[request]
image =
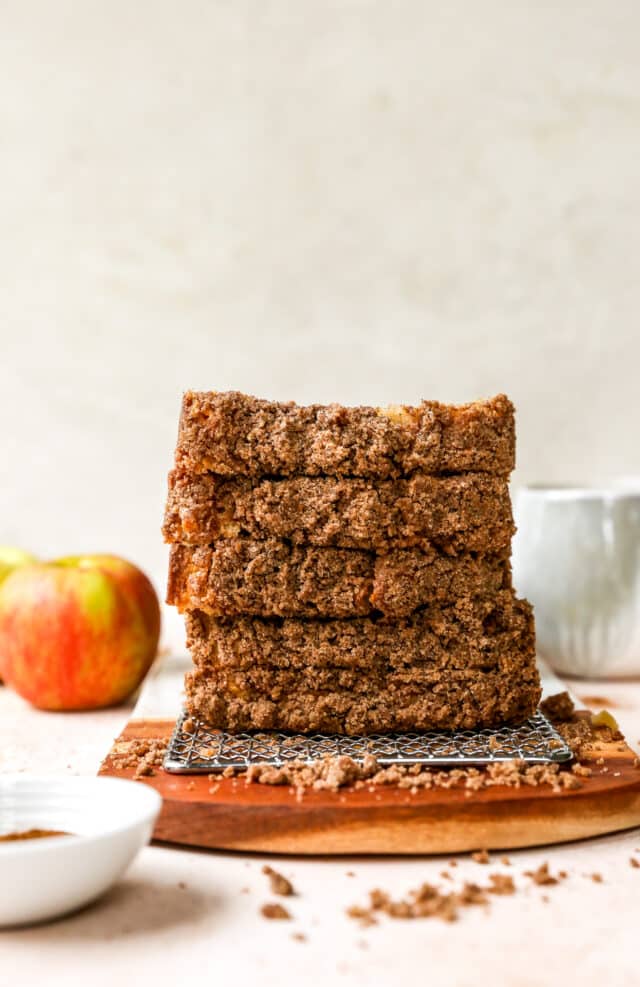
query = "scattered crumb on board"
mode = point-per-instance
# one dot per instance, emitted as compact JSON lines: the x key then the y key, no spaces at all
{"x":335,"y":773}
{"x":142,"y":755}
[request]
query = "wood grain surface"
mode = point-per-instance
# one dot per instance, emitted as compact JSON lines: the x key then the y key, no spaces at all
{"x":388,"y":820}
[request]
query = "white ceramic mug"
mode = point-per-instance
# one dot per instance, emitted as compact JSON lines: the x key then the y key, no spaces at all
{"x":576,"y":557}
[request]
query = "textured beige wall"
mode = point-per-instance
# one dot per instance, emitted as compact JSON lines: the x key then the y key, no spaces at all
{"x":359,"y":201}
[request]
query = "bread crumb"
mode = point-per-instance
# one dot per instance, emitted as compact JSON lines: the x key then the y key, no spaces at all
{"x":298,"y":937}
{"x":634,"y":862}
{"x":362,"y":915}
{"x":558,"y":707}
{"x":505,"y":861}
{"x":141,"y":755}
{"x":541,"y":875}
{"x":423,"y":902}
{"x":332,"y":773}
{"x":278,"y":882}
{"x":143,"y":770}
{"x":480,"y":857}
{"x":596,"y":878}
{"x":501,"y":884}
{"x":273,"y":910}
{"x":429,"y":901}
{"x":582,"y":770}
{"x":472,"y":894}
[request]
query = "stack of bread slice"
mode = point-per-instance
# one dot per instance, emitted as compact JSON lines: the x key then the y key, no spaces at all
{"x":347,"y":570}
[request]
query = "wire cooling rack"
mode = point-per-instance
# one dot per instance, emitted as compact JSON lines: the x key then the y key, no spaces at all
{"x":202,"y":750}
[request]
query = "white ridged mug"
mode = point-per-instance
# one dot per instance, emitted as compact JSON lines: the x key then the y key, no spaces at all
{"x":576,"y":557}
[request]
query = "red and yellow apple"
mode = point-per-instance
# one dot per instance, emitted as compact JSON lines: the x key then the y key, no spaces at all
{"x":77,"y":633}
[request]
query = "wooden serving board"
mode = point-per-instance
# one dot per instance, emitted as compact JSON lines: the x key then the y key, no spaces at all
{"x":390,"y":820}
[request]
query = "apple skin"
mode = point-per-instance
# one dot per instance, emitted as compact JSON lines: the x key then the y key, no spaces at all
{"x":11,"y":558}
{"x":77,"y":633}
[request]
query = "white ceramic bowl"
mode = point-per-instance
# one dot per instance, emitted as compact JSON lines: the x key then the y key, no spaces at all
{"x":46,"y":877}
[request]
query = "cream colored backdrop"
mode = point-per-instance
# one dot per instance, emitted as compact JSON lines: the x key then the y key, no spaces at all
{"x":331,"y":200}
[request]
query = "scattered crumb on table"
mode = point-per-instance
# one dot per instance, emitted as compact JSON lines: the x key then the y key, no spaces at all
{"x":278,"y":882}
{"x":501,"y":884}
{"x":273,"y":910}
{"x":480,"y":856}
{"x":542,"y":875}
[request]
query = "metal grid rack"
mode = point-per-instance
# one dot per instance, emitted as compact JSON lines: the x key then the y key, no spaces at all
{"x":208,"y":751}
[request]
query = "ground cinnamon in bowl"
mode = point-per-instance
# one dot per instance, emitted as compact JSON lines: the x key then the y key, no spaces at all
{"x":32,"y":834}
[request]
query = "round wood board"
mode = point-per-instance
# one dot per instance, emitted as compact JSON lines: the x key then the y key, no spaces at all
{"x":388,"y":820}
